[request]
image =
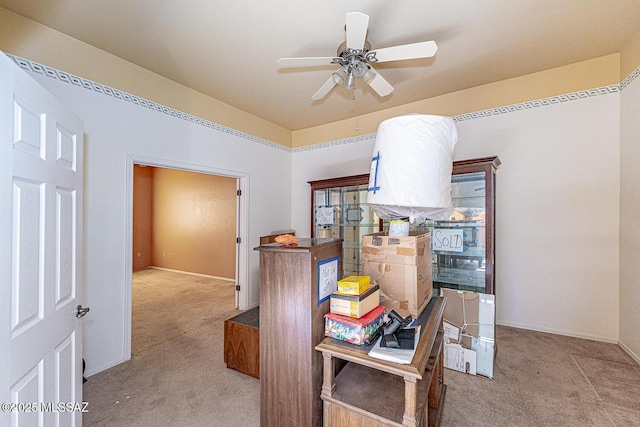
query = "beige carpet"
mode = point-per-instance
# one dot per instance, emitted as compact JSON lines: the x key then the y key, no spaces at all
{"x":177,"y":376}
{"x":547,"y":380}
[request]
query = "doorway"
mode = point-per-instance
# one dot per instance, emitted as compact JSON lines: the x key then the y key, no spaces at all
{"x":197,"y":214}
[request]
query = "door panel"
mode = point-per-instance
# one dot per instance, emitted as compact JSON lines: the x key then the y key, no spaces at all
{"x":65,"y":379}
{"x":41,"y":185}
{"x":27,"y":289}
{"x":27,"y":389}
{"x":65,"y":247}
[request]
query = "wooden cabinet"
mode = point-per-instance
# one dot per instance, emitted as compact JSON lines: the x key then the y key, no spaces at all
{"x":339,"y":209}
{"x":473,"y":189}
{"x":473,"y":195}
{"x":242,"y":342}
{"x":292,"y":286}
{"x":373,"y":392}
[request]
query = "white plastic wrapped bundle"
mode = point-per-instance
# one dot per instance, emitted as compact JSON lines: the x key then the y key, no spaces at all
{"x":411,"y":168}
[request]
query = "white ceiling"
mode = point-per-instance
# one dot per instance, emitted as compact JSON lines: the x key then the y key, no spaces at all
{"x":228,"y":49}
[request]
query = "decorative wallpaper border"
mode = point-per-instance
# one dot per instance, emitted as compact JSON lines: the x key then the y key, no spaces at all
{"x":336,"y":142}
{"x":631,"y":77}
{"x":124,"y":96}
{"x":527,"y":105}
{"x":605,"y":90}
{"x":106,"y":90}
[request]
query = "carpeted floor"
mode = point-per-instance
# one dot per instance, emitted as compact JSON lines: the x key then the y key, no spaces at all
{"x":547,"y":380}
{"x":177,"y":375}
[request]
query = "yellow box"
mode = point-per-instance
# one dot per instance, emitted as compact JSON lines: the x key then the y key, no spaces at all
{"x":353,"y":285}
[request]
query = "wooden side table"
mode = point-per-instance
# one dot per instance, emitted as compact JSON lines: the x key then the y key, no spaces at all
{"x":374,"y":392}
{"x":242,"y":342}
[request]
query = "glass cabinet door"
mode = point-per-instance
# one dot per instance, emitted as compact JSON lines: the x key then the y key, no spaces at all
{"x":340,"y":210}
{"x":463,"y":246}
{"x":459,"y":244}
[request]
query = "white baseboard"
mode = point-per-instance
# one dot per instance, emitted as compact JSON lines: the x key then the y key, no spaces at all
{"x":104,"y":367}
{"x":193,"y":274}
{"x":560,"y":332}
{"x":629,"y":351}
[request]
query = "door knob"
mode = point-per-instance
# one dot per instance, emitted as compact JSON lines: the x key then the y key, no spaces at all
{"x":81,"y":311}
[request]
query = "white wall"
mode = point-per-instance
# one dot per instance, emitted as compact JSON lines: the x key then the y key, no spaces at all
{"x":629,"y":221}
{"x":557,"y":214}
{"x":558,"y":204}
{"x":340,"y":158}
{"x":557,"y":209}
{"x":116,"y":129}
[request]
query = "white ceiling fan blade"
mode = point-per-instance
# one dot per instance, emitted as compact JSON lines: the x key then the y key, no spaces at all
{"x":357,"y":24}
{"x":380,"y":85}
{"x":406,"y":51}
{"x":312,"y":61}
{"x":324,"y":89}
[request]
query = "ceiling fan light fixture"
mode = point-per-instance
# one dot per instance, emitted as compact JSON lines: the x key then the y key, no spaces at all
{"x":359,"y":68}
{"x":340,"y":76}
{"x":350,"y":84}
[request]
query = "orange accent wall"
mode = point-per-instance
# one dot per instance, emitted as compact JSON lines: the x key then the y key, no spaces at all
{"x":142,"y":216}
{"x":191,"y":218}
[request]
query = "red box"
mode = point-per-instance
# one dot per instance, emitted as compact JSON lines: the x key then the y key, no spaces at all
{"x":352,"y":330}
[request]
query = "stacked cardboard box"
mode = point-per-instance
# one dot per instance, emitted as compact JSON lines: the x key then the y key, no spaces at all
{"x":352,"y":330}
{"x":401,"y":267}
{"x":355,"y":305}
{"x":355,"y":311}
{"x":469,"y":332}
{"x":353,"y":285}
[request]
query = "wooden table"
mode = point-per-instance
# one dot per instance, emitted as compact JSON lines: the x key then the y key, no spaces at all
{"x":374,"y":392}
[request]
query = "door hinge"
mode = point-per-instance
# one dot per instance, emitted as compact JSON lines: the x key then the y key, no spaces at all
{"x":237,"y":287}
{"x":239,"y":193}
{"x":238,"y":240}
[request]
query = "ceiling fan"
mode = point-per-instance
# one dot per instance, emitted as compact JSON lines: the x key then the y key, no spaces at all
{"x":355,"y":57}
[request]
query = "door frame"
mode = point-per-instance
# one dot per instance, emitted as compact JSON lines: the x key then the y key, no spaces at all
{"x":242,"y":226}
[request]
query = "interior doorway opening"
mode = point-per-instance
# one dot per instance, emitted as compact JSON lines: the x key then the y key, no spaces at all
{"x":193,"y":222}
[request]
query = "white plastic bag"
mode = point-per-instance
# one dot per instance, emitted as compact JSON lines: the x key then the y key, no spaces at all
{"x":411,"y":168}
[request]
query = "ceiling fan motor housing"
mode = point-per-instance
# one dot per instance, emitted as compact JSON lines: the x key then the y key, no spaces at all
{"x":342,"y":49}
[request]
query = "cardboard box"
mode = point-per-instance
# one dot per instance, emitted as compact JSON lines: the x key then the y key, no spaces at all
{"x":412,"y":249}
{"x":354,"y":285}
{"x":469,"y":332}
{"x":401,"y":266}
{"x":460,"y":359}
{"x":404,"y":288}
{"x":355,"y":305}
{"x":351,"y":330}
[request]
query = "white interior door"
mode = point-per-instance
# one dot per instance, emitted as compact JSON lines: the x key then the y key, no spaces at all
{"x":41,"y":172}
